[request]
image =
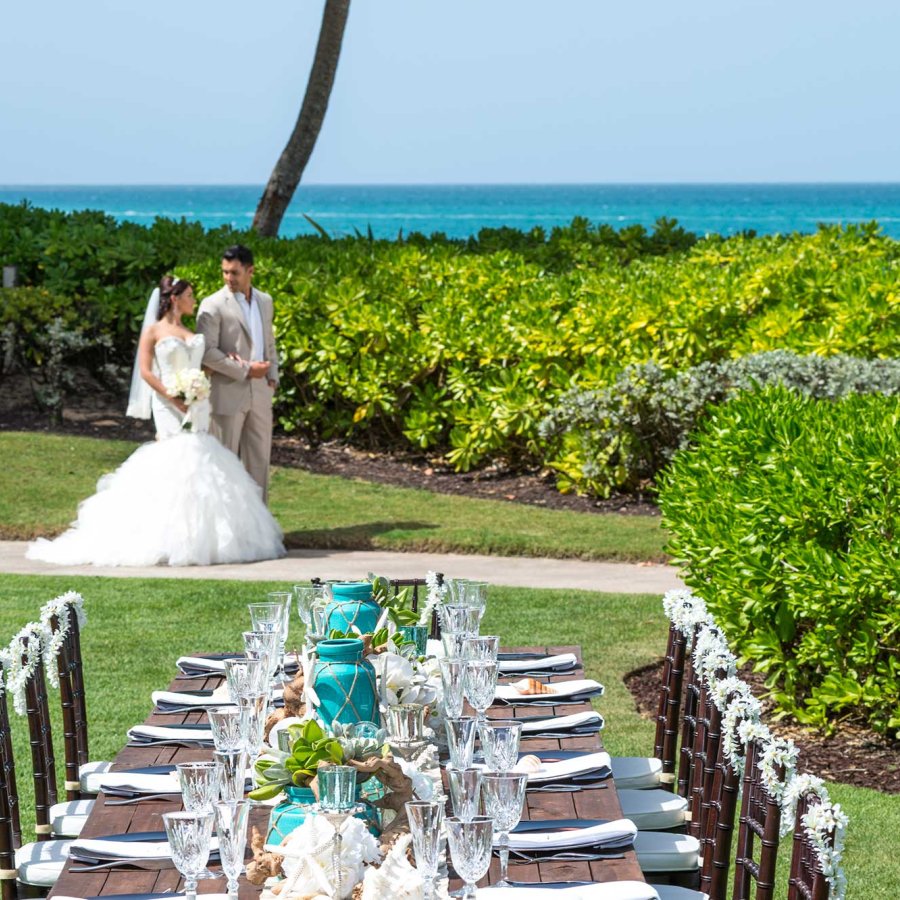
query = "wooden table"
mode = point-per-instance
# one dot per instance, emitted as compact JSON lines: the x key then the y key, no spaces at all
{"x":589,"y":803}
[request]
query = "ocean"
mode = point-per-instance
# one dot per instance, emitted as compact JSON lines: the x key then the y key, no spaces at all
{"x":462,"y":210}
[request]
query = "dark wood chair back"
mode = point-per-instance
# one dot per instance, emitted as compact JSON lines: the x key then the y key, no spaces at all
{"x":74,"y":702}
{"x":760,"y":818}
{"x":806,"y":880}
{"x":668,"y":712}
{"x":10,"y":827}
{"x":689,"y":711}
{"x":40,"y":733}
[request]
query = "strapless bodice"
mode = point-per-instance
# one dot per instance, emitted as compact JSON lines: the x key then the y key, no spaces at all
{"x":174,"y":354}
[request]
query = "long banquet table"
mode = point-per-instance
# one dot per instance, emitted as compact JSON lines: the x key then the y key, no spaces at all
{"x":105,"y":819}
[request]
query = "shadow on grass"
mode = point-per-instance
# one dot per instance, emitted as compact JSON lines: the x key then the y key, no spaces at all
{"x":350,"y":537}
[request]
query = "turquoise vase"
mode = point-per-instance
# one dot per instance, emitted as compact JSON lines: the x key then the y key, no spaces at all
{"x":344,"y":682}
{"x":290,"y":813}
{"x":297,"y":804}
{"x":352,"y":606}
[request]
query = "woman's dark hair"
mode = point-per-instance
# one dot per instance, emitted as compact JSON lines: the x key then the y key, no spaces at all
{"x":170,"y":287}
{"x":244,"y":255}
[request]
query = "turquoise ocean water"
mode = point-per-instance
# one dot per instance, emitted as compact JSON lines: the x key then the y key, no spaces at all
{"x":462,"y":210}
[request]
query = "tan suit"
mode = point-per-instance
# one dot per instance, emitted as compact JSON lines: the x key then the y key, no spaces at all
{"x":241,"y":406}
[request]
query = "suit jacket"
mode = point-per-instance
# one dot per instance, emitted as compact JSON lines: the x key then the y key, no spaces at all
{"x":221,"y":321}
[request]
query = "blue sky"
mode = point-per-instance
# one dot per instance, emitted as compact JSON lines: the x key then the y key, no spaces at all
{"x":469,"y":91}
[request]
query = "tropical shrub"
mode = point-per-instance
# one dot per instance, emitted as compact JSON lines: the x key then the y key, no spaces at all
{"x":623,"y":435}
{"x":785,"y":516}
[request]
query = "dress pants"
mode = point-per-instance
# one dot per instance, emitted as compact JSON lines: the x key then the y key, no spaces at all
{"x":249,"y":433}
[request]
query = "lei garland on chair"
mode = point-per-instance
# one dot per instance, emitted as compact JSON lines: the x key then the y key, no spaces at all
{"x":61,"y":607}
{"x":21,"y":659}
{"x":711,"y":653}
{"x":436,"y":594}
{"x":685,"y":611}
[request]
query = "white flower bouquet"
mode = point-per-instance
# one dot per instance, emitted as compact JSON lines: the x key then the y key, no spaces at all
{"x":187,"y":385}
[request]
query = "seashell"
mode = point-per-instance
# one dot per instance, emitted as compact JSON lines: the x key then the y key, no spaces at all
{"x":533,"y":686}
{"x":529,"y":763}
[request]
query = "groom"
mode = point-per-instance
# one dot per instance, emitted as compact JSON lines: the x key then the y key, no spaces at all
{"x":240,"y":352}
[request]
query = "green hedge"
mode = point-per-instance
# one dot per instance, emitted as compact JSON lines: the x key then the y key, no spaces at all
{"x":460,"y":348}
{"x":786,"y":516}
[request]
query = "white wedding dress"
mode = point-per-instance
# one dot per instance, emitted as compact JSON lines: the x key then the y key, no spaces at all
{"x":180,"y":501}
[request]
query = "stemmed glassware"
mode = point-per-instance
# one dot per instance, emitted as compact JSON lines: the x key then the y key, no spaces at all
{"x":461,"y":740}
{"x":225,"y":723}
{"x":465,"y":792}
{"x":253,"y":708}
{"x":406,"y":727}
{"x":283,"y":599}
{"x":263,"y":644}
{"x":503,"y":794}
{"x":199,"y":785}
{"x":458,"y":622}
{"x":425,"y":818}
{"x":232,"y":772}
{"x":484,"y":646}
{"x":337,"y":800}
{"x":453,"y":680}
{"x":470,"y":850}
{"x":189,"y":835}
{"x":231,"y":827}
{"x":307,"y":595}
{"x":500,"y":743}
{"x":481,"y":685}
{"x":246,"y":676}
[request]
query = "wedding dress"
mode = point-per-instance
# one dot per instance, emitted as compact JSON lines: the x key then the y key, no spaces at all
{"x":182,"y":500}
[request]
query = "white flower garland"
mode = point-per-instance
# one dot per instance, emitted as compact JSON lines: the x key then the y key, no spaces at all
{"x":53,"y":641}
{"x":778,"y":753}
{"x":744,"y":709}
{"x":800,"y":785}
{"x":21,"y":659}
{"x":436,"y":594}
{"x":711,"y":653}
{"x":685,"y":611}
{"x":821,"y":822}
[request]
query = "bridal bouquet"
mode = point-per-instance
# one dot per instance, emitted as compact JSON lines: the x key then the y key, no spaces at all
{"x":189,"y":385}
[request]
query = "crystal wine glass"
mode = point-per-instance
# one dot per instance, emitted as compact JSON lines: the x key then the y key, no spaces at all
{"x":232,"y":770}
{"x":481,"y":685}
{"x":500,"y":743}
{"x":253,"y":721}
{"x":453,"y":680}
{"x":189,"y":835}
{"x":470,"y":850}
{"x":425,"y":817}
{"x":225,"y":723}
{"x":465,"y":792}
{"x":503,"y":794}
{"x":306,"y":596}
{"x":231,"y":827}
{"x":485,"y":646}
{"x":283,"y":599}
{"x":199,"y":785}
{"x":461,"y":740}
{"x":245,"y":676}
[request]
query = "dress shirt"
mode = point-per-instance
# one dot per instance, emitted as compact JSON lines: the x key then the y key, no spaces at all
{"x":253,"y":319}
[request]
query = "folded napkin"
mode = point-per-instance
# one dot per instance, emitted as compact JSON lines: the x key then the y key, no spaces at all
{"x":561,"y":769}
{"x":151,"y":734}
{"x":562,"y":890}
{"x":190,"y":665}
{"x":563,"y":661}
{"x":562,"y":723}
{"x":140,"y":782}
{"x":219,"y":697}
{"x":557,"y":836}
{"x":515,"y":692}
{"x":162,"y":896}
{"x":138,"y":845}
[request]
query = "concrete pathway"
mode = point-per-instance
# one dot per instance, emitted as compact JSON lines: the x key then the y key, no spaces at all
{"x":301,"y":565}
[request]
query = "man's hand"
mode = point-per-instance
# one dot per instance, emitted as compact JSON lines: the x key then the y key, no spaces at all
{"x":258,"y":369}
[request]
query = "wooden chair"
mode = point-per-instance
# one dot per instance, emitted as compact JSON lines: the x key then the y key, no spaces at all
{"x":32,"y":867}
{"x":807,"y":881}
{"x":398,"y":584}
{"x":52,"y":818}
{"x":760,"y":819}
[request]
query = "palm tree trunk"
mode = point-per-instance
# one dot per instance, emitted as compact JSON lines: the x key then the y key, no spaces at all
{"x":289,"y":169}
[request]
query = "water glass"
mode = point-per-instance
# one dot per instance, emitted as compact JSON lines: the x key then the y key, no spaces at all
{"x":245,"y":676}
{"x":484,"y":646}
{"x":418,"y":634}
{"x":337,"y":788}
{"x":199,"y":786}
{"x":453,"y":643}
{"x":500,"y":743}
{"x":474,"y":595}
{"x":425,"y":817}
{"x":465,"y":792}
{"x":253,"y":721}
{"x":225,"y":723}
{"x":481,"y":684}
{"x":470,"y":850}
{"x":283,"y":599}
{"x":232,"y":770}
{"x":503,"y":794}
{"x":459,"y":617}
{"x":306,"y":596}
{"x":461,"y":740}
{"x":189,"y":835}
{"x":263,"y":645}
{"x":231,"y":827}
{"x":453,"y":681}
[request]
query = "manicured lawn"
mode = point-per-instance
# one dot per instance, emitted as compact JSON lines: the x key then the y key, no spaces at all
{"x":43,"y":478}
{"x":137,"y":628}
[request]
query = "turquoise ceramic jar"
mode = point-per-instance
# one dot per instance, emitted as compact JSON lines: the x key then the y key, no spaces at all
{"x":290,"y":813}
{"x":344,"y":683}
{"x":352,"y":606}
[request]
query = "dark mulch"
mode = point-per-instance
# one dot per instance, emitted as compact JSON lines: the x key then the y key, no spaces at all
{"x":855,"y":755}
{"x":97,"y":414}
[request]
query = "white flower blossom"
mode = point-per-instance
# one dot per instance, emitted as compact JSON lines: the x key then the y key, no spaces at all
{"x":60,"y":607}
{"x":20,"y":660}
{"x":436,"y":594}
{"x":826,"y":825}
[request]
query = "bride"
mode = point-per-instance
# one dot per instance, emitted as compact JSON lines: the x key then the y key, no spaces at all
{"x":184,"y":499}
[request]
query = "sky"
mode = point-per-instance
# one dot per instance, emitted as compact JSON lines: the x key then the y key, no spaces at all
{"x":469,"y":91}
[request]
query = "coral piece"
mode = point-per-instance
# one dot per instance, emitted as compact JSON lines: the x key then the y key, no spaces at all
{"x":294,"y":705}
{"x":265,"y":863}
{"x":398,"y":791}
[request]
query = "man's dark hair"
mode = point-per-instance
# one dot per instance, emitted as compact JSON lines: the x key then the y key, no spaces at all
{"x":244,"y":255}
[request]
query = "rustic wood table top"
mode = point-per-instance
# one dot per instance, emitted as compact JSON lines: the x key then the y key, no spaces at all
{"x":106,"y":819}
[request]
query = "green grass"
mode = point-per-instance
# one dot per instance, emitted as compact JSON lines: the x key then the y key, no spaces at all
{"x":136,"y":629}
{"x":43,"y":478}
